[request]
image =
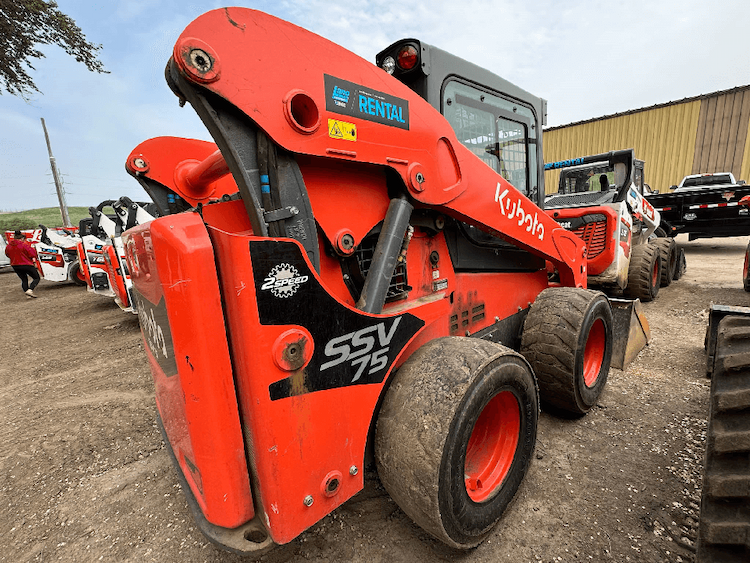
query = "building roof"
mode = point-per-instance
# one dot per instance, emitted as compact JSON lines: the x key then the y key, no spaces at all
{"x":656,"y":106}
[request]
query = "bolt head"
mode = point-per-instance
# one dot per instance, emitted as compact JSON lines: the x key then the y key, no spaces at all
{"x":200,"y":60}
{"x":353,"y":470}
{"x":347,"y":242}
{"x":308,"y":500}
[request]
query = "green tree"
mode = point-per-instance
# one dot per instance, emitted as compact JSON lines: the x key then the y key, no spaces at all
{"x":26,"y":24}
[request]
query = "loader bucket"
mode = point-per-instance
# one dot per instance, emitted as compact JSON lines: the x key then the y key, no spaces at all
{"x":631,"y":331}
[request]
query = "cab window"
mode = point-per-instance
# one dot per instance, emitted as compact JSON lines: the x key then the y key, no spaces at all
{"x":500,"y":132}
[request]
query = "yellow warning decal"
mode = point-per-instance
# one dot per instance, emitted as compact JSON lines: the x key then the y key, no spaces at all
{"x":342,"y":130}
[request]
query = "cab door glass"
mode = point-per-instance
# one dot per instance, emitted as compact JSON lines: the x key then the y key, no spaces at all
{"x":501,"y":132}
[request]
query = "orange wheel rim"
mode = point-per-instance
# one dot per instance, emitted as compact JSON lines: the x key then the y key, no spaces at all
{"x":593,"y":355}
{"x":492,"y":446}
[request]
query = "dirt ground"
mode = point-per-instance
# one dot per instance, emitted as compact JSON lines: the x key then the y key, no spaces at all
{"x":84,"y":475}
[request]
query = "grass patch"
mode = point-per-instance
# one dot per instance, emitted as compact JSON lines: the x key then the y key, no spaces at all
{"x":47,"y":216}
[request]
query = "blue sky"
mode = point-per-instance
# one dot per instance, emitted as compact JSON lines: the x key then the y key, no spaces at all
{"x":587,"y":58}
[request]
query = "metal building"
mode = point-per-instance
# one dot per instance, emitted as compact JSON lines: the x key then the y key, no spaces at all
{"x":707,"y":133}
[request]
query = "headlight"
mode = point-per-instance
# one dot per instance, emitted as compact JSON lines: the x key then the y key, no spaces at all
{"x":389,"y":65}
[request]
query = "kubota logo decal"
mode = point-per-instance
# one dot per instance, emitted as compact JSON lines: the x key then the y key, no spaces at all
{"x":357,"y":349}
{"x":283,"y":281}
{"x":513,"y":210}
{"x":155,"y":328}
{"x":153,"y":333}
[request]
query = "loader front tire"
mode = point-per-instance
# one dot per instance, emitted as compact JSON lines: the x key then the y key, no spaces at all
{"x":455,"y":436}
{"x":644,"y":272}
{"x":567,"y":339}
{"x":668,"y":255}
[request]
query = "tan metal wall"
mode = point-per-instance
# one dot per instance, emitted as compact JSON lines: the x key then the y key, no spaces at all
{"x":722,"y":132}
{"x":664,"y":137}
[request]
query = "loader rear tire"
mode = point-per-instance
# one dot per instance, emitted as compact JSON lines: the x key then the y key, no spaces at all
{"x":746,"y":269}
{"x":644,"y":273}
{"x":455,"y":436}
{"x":724,"y":529}
{"x":567,"y":339}
{"x":668,"y":255}
{"x":681,"y":266}
{"x":76,"y":274}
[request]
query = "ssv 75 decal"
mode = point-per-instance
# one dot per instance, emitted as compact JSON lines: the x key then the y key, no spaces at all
{"x":351,"y":348}
{"x":357,"y":348}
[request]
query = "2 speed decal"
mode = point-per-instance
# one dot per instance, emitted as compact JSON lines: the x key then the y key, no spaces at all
{"x":283,"y":281}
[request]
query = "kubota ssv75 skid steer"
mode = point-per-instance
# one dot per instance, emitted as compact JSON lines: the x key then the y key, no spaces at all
{"x":327,"y":306}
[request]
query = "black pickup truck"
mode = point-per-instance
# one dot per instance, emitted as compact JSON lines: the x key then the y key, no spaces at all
{"x":704,"y":206}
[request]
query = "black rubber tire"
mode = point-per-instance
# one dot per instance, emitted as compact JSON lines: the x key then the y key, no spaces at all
{"x":423,"y":429}
{"x":681,"y":264}
{"x":643,"y":278}
{"x":556,"y":332}
{"x":74,"y":269}
{"x":746,"y":269}
{"x":668,"y":255}
{"x":724,"y":530}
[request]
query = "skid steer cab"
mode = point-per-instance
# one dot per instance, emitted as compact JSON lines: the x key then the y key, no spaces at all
{"x":324,"y":305}
{"x":56,"y":253}
{"x":128,"y":214}
{"x":95,"y":238}
{"x":102,"y":252}
{"x":600,"y":199}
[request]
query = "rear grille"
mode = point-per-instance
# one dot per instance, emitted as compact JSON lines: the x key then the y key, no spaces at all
{"x":397,"y":289}
{"x":595,"y":236}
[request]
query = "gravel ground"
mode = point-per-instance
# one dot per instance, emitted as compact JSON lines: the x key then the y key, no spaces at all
{"x":85,"y":477}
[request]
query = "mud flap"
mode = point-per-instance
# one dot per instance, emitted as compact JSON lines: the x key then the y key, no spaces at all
{"x":716,"y":313}
{"x":630,"y":331}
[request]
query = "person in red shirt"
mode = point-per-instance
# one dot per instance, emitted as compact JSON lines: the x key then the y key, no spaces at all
{"x":22,"y":255}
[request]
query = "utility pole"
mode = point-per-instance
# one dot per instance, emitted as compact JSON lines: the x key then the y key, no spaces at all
{"x":58,"y":183}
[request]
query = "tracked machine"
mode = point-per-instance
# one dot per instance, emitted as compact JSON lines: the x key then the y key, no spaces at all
{"x":361,"y":286}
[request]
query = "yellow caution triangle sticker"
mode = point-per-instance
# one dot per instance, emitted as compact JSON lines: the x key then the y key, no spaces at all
{"x":342,"y":130}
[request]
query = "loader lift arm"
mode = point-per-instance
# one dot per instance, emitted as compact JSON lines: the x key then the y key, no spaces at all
{"x":292,"y":109}
{"x":180,"y":173}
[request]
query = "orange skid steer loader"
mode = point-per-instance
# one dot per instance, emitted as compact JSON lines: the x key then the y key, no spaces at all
{"x":324,"y":307}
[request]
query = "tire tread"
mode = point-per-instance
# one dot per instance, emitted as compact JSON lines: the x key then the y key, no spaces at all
{"x":642,"y":259}
{"x":549,"y":342}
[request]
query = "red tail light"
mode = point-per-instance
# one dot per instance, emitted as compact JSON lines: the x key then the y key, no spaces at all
{"x":407,"y":57}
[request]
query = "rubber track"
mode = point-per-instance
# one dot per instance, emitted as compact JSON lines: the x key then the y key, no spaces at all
{"x":549,"y":343}
{"x":639,"y":272}
{"x":724,"y":533}
{"x":668,"y":255}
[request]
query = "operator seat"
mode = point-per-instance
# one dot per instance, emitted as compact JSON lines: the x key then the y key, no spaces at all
{"x":604,"y":183}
